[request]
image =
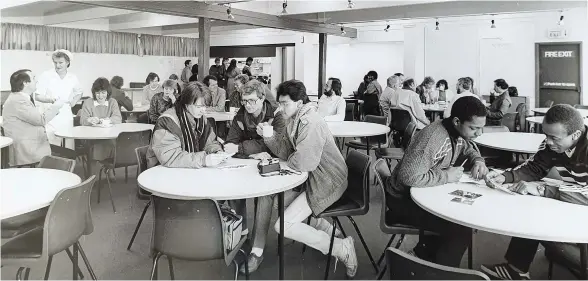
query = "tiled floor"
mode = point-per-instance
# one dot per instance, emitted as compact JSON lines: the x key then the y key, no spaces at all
{"x":106,"y":247}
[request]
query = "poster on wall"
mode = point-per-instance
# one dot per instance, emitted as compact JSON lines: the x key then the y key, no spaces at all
{"x":559,"y":67}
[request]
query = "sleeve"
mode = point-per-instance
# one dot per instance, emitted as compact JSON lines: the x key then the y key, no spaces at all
{"x":212,"y":145}
{"x":235,"y":133}
{"x":472,"y":152}
{"x":26,"y":112}
{"x":77,"y":91}
{"x":219,"y":102}
{"x":309,"y":145}
{"x":279,"y":145}
{"x":115,"y":116}
{"x":419,"y":112}
{"x":87,"y":112}
{"x":418,"y":165}
{"x":340,"y":114}
{"x":125,"y":101}
{"x":371,"y":89}
{"x":168,"y":150}
{"x":534,"y":169}
{"x":153,"y":111}
{"x":502,"y":110}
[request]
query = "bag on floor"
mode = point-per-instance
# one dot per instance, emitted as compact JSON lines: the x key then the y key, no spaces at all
{"x":233,"y":224}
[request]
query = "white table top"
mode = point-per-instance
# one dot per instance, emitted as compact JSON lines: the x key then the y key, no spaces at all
{"x":512,"y":215}
{"x":136,"y":109}
{"x":5,"y":141}
{"x":28,"y":189}
{"x":98,"y":133}
{"x":539,"y":120}
{"x":434,"y":107}
{"x":215,"y":183}
{"x":511,"y":141}
{"x":220,"y":116}
{"x":543,"y":110}
{"x":356,"y":129}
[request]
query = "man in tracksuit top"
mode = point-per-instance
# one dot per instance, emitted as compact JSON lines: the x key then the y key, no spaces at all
{"x":566,"y":149}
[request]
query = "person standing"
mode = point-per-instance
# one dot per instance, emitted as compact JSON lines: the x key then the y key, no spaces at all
{"x":55,"y":84}
{"x":247,"y":67}
{"x":186,"y":72}
{"x":371,"y":98}
{"x":232,"y":72}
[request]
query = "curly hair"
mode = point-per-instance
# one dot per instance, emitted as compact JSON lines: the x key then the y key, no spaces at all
{"x":101,"y":84}
{"x":566,"y":115}
{"x":117,"y":82}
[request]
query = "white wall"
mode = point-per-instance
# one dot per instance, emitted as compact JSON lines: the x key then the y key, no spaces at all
{"x":88,"y":66}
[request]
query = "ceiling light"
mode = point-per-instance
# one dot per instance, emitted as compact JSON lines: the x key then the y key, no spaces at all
{"x":350,"y":4}
{"x":561,"y":20}
{"x":493,"y":25}
{"x":387,"y":28}
{"x":437,"y":25}
{"x":229,"y":13}
{"x":343,"y":32}
{"x":284,"y":6}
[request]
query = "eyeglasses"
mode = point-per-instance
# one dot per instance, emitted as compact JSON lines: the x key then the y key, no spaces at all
{"x":249,"y":102}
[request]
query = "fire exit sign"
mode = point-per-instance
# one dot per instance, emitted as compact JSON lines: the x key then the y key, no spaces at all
{"x":557,"y":34}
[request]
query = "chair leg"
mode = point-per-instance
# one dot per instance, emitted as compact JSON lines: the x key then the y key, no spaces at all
{"x":236,"y":270}
{"x":138,"y":225}
{"x":88,"y":266}
{"x":171,"y":268}
{"x":126,"y":174}
{"x":364,"y":244}
{"x":154,"y":269}
{"x":19,"y":273}
{"x":27,"y":271}
{"x":341,"y":227}
{"x":110,"y":190}
{"x":246,"y":264}
{"x":73,"y":261}
{"x":550,"y":270}
{"x":330,"y":250}
{"x":471,"y":252}
{"x":99,"y":182}
{"x":304,"y":245}
{"x":381,"y":274}
{"x":48,"y":268}
{"x":400,"y":241}
{"x":383,"y":255}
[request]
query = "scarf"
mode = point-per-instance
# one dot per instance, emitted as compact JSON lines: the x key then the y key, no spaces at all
{"x":190,"y":136}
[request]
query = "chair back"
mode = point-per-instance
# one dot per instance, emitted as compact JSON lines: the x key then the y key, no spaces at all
{"x":408,"y":134}
{"x":382,"y":139}
{"x":188,"y":229}
{"x":141,"y":153}
{"x":403,"y":266}
{"x":227,"y":105}
{"x":349,"y":112}
{"x":509,"y":120}
{"x":68,"y":218}
{"x":124,"y":154}
{"x":521,"y":122}
{"x":358,"y":186}
{"x":57,"y":163}
{"x":399,"y":119}
{"x":579,"y":106}
{"x":382,"y":172}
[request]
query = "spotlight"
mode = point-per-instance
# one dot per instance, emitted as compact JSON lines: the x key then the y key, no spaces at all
{"x":561,"y":20}
{"x":387,"y":28}
{"x":350,"y":4}
{"x":493,"y":25}
{"x":284,"y":6}
{"x":343,"y":32}
{"x":230,"y":14}
{"x":437,"y":25}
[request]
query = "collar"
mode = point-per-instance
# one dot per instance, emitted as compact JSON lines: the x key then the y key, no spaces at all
{"x":97,"y":104}
{"x":453,"y":133}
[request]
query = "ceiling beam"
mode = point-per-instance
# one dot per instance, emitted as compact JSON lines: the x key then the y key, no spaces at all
{"x":192,"y":28}
{"x":75,"y":13}
{"x":438,"y":10}
{"x":194,"y":9}
{"x":5,"y":4}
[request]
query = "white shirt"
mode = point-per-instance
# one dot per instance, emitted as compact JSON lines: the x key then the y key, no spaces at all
{"x":51,"y":85}
{"x":447,"y":111}
{"x":332,"y":108}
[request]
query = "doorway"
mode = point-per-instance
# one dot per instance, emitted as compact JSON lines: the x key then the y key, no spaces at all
{"x":558,"y":73}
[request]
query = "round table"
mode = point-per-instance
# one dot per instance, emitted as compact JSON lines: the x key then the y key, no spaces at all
{"x":434,"y":107}
{"x":136,"y":109}
{"x":220,"y":116}
{"x":539,"y":120}
{"x":28,"y":189}
{"x":99,"y":133}
{"x":349,"y":129}
{"x":512,"y":215}
{"x":221,"y":184}
{"x":527,"y":143}
{"x":5,"y":141}
{"x":543,"y":111}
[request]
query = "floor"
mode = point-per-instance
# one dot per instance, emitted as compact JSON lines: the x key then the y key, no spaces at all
{"x":106,"y":247}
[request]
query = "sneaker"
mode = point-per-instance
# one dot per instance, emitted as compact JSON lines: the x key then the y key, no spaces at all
{"x":348,"y":256}
{"x":504,"y":271}
{"x":253,"y":263}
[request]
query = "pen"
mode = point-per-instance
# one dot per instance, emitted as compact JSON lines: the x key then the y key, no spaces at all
{"x":464,"y":163}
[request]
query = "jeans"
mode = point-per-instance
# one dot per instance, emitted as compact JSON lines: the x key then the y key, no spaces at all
{"x":263,"y":216}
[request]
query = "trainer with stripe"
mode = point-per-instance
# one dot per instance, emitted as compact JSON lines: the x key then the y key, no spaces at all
{"x":565,"y":148}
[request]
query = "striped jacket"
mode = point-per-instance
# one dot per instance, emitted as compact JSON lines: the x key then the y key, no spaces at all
{"x":572,"y":166}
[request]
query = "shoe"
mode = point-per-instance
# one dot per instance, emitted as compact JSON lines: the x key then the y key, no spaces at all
{"x":253,"y":263}
{"x":504,"y":271}
{"x":348,"y":256}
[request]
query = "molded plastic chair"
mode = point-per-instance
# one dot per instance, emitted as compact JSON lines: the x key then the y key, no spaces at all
{"x":396,"y":153}
{"x":509,"y":120}
{"x":349,"y":112}
{"x":190,"y":230}
{"x":354,"y":202}
{"x":388,"y":224}
{"x":124,"y":156}
{"x":375,"y":141}
{"x":141,"y":153}
{"x":521,"y":122}
{"x":68,"y":218}
{"x":564,"y":254}
{"x":406,"y":267}
{"x":21,"y":224}
{"x":399,"y":120}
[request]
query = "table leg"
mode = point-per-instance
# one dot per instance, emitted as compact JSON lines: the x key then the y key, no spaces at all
{"x":584,"y":260}
{"x":281,"y":235}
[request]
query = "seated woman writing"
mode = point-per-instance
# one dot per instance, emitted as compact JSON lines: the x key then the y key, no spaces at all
{"x":182,"y":137}
{"x":101,"y":110}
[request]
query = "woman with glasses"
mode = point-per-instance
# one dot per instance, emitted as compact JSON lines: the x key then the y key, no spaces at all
{"x":182,"y":137}
{"x":216,"y":97}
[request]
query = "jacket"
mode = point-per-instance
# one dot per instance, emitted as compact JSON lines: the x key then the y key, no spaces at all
{"x":309,"y":146}
{"x":158,"y":106}
{"x":122,"y":99}
{"x":216,"y":99}
{"x":498,"y":109}
{"x":572,"y":166}
{"x":167,"y":144}
{"x":243,"y":130}
{"x":26,"y":127}
{"x":409,"y":101}
{"x":433,"y":150}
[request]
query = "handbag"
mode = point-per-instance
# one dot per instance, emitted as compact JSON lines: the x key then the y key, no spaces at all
{"x":233,"y":224}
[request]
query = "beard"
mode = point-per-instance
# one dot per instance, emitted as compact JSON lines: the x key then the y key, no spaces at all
{"x":328,"y":93}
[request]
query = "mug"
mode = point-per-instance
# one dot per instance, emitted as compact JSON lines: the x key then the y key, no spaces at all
{"x":106,"y":122}
{"x":268,"y":131}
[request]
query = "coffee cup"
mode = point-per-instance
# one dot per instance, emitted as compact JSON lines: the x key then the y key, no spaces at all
{"x":106,"y":122}
{"x":268,"y":131}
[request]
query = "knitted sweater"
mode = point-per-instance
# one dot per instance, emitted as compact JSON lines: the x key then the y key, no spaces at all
{"x":433,"y":150}
{"x":309,"y":146}
{"x":572,"y":166}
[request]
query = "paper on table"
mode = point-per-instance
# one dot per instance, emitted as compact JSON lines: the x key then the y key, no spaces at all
{"x":467,"y":178}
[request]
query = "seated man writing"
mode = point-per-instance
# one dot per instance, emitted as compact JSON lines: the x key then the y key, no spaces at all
{"x":434,"y":158}
{"x":565,"y":148}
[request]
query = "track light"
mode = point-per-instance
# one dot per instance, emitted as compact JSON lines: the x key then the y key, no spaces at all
{"x":437,"y":25}
{"x":350,"y":4}
{"x":387,"y":28}
{"x":561,"y":20}
{"x":493,"y":25}
{"x":284,"y":6}
{"x":229,"y":13}
{"x":343,"y":32}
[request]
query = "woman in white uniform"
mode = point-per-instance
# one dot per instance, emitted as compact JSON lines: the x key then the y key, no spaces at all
{"x":59,"y":84}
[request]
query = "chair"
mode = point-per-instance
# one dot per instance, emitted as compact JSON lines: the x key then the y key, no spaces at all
{"x":548,"y":103}
{"x":388,"y":224}
{"x":68,"y":218}
{"x":396,"y":153}
{"x":369,"y":143}
{"x":509,"y":120}
{"x":406,"y":267}
{"x":521,"y":122}
{"x":564,"y":254}
{"x":579,"y":106}
{"x":399,"y":119}
{"x":143,"y":195}
{"x":349,"y":112}
{"x":26,"y":222}
{"x":124,"y":156}
{"x":354,"y":202}
{"x":190,"y":230}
